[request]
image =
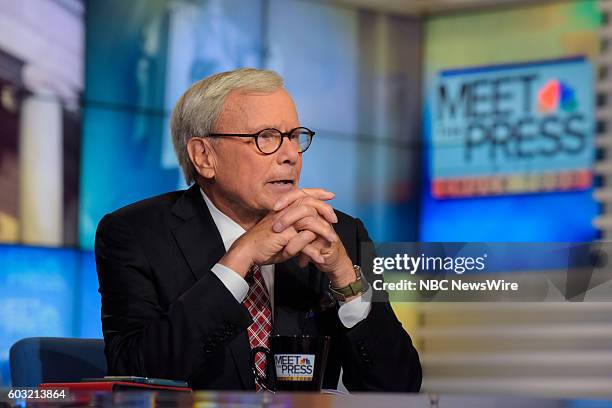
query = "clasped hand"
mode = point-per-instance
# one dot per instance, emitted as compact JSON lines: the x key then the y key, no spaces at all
{"x":300,"y":226}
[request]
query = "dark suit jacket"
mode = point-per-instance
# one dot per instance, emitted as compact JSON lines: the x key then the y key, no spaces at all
{"x":166,"y":315}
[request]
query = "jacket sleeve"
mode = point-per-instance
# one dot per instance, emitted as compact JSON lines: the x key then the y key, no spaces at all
{"x":144,"y":339}
{"x":377,"y":354}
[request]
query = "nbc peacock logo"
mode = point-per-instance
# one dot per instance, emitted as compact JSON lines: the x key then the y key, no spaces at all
{"x":556,"y":95}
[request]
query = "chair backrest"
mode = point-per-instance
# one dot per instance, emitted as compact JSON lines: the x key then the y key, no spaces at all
{"x":36,"y":360}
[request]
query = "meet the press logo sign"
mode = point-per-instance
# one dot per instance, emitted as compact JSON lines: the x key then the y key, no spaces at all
{"x":294,"y":367}
{"x":508,"y":129}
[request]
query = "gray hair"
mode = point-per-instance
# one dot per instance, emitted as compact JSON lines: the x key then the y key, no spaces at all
{"x":197,"y":110}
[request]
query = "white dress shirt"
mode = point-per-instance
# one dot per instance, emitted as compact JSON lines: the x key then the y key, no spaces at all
{"x":349,"y":313}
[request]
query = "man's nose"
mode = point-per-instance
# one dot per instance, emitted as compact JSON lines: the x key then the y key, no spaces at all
{"x":288,"y":152}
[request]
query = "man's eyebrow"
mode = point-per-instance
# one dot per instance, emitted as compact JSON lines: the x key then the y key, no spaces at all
{"x":265,"y":126}
{"x":260,"y":127}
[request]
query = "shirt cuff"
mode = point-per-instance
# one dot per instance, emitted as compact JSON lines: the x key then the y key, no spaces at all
{"x":351,"y":313}
{"x":237,"y":286}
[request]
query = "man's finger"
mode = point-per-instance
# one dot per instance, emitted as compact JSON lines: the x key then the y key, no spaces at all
{"x":292,"y":215}
{"x":305,"y":218}
{"x":319,"y":227}
{"x":319,"y":193}
{"x":302,"y":260}
{"x":293,"y":195}
{"x":312,"y":251}
{"x":298,"y":242}
{"x":297,"y":197}
{"x":324,"y":230}
{"x":323,"y":209}
{"x":285,"y":236}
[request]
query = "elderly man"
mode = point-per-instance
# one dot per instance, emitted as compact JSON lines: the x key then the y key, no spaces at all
{"x":192,"y":280}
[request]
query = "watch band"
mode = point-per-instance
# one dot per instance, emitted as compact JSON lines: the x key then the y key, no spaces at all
{"x":354,"y":288}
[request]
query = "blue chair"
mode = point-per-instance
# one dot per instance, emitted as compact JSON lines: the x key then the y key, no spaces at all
{"x":37,"y":360}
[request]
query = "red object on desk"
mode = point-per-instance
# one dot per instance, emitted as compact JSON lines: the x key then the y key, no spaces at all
{"x":111,"y":386}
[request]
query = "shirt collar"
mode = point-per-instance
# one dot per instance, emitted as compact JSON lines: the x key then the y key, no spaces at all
{"x":229,"y":229}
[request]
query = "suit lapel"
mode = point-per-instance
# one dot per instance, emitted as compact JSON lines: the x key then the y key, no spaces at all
{"x":201,"y":244}
{"x":195,"y":232}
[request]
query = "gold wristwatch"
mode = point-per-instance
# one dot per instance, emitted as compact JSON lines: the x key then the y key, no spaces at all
{"x":354,"y":288}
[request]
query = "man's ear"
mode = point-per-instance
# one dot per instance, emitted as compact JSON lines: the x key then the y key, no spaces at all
{"x":203,"y":156}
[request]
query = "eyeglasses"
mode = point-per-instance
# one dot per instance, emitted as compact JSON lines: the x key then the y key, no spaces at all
{"x":268,"y":141}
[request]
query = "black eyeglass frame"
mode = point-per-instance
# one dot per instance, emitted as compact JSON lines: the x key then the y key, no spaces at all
{"x":256,"y":136}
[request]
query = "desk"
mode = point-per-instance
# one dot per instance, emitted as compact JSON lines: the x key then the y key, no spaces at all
{"x":298,"y":400}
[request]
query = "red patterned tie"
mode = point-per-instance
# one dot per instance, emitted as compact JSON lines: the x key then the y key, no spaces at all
{"x":257,"y":302}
